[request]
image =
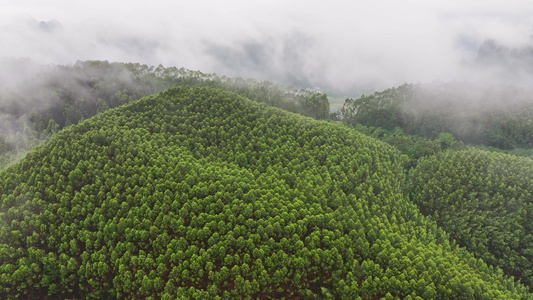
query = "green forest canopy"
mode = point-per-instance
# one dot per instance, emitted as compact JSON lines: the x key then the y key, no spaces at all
{"x":484,"y":201}
{"x":200,"y":193}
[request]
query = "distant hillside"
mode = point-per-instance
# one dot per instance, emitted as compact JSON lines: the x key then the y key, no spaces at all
{"x":198,"y":193}
{"x":497,"y":116}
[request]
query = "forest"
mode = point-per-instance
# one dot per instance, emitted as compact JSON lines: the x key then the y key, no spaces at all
{"x":498,"y":116}
{"x":211,"y":187}
{"x":483,"y":200}
{"x":37,"y":106}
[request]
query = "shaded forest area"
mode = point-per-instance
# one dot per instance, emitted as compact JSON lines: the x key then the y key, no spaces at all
{"x":136,"y":201}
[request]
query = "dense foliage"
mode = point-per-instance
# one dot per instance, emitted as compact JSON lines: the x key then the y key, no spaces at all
{"x":413,"y":146}
{"x":484,"y":201}
{"x":58,"y":96}
{"x":200,"y":193}
{"x":492,"y":116}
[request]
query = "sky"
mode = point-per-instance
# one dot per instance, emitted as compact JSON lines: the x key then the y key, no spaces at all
{"x":340,"y":46}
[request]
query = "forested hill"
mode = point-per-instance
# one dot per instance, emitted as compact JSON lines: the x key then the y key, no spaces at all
{"x":200,"y":193}
{"x":498,"y":115}
{"x":33,"y":108}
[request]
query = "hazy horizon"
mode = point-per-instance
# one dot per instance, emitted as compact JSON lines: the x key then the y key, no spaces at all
{"x":341,"y":46}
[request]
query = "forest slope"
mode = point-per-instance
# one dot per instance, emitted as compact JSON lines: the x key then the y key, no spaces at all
{"x":497,"y":116}
{"x":200,"y":193}
{"x":484,"y":200}
{"x":59,"y":96}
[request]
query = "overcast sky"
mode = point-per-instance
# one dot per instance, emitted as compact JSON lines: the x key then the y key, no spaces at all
{"x":340,"y":45}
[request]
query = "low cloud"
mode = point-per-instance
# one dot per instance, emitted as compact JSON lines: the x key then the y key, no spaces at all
{"x":345,"y":47}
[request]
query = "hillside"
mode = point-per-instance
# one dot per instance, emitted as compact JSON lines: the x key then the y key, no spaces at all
{"x":497,"y":116}
{"x":483,"y":200}
{"x":201,"y":193}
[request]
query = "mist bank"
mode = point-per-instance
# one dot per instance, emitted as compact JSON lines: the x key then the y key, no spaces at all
{"x":345,"y":49}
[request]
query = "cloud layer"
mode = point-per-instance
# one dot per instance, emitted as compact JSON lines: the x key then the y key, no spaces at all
{"x":342,"y":46}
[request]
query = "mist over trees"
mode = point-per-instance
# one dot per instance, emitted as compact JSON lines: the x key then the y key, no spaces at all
{"x":513,"y":61}
{"x":498,"y":116}
{"x":53,"y":97}
{"x":136,"y":179}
